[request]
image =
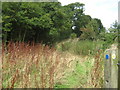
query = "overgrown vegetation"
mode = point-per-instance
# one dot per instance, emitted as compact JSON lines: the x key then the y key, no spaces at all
{"x":38,"y":66}
{"x":84,"y":47}
{"x":28,"y":66}
{"x":47,"y":45}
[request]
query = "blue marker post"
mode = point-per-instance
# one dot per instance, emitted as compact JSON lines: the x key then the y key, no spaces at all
{"x":107,"y":69}
{"x":107,"y":56}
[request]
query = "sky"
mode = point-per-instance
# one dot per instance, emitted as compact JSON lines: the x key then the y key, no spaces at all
{"x":106,"y":10}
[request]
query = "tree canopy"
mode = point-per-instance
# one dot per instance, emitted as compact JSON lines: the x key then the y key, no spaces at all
{"x":47,"y":22}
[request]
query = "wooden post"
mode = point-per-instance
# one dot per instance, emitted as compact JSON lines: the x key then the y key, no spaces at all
{"x":114,"y":68}
{"x":119,"y":45}
{"x":107,"y":69}
{"x":111,"y":68}
{"x":118,"y":58}
{"x":119,"y":66}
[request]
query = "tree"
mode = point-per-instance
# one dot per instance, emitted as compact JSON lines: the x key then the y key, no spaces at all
{"x":47,"y":22}
{"x":75,"y":12}
{"x":92,"y":29}
{"x":27,"y":21}
{"x":114,"y":30}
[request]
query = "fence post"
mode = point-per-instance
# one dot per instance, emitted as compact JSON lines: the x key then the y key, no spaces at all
{"x":107,"y":69}
{"x":119,"y":67}
{"x":119,"y":49}
{"x":111,"y":68}
{"x":114,"y":68}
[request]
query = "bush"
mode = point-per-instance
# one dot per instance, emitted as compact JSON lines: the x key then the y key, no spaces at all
{"x":73,"y":35}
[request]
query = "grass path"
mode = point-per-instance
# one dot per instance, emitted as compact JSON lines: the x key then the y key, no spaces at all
{"x":77,"y":73}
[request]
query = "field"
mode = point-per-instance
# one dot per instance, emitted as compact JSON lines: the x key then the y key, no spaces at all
{"x":39,"y":66}
{"x":50,"y":45}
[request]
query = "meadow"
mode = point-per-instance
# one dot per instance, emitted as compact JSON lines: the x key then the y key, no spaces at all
{"x":29,"y":65}
{"x":71,"y":54}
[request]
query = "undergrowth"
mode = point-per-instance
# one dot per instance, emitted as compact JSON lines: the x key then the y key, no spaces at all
{"x":85,"y":47}
{"x":38,"y":66}
{"x":30,"y":66}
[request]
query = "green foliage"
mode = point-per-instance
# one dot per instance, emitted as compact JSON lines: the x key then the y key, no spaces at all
{"x":73,"y":36}
{"x":87,"y":34}
{"x":92,"y":30}
{"x":109,"y":39}
{"x":54,"y":34}
{"x":47,"y":22}
{"x":82,"y":47}
{"x":36,"y":22}
{"x":66,"y":46}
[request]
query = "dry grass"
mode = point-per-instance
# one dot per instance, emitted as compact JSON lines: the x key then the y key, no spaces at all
{"x":30,"y":66}
{"x":97,"y":73}
{"x":36,"y":66}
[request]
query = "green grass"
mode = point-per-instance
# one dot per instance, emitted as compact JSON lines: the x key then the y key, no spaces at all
{"x":85,"y":47}
{"x":79,"y":77}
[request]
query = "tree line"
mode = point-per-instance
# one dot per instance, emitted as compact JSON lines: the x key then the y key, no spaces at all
{"x":48,"y":22}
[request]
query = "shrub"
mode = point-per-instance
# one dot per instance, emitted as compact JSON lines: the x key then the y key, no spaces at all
{"x":73,"y":35}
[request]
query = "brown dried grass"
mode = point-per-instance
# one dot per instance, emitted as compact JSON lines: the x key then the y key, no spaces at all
{"x":97,"y":73}
{"x":30,"y":65}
